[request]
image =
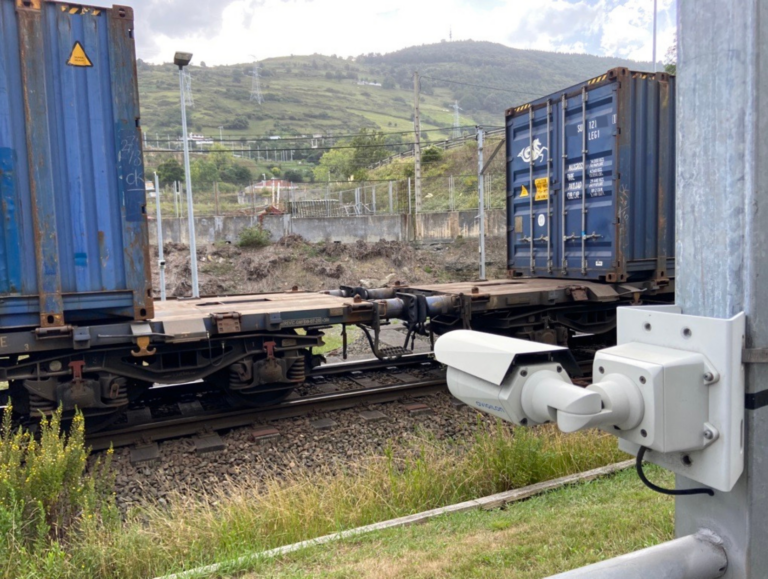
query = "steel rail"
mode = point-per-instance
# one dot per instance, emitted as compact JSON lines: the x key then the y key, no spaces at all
{"x":210,"y":421}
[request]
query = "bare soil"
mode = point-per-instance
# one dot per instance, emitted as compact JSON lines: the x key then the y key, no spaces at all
{"x":225,"y":269}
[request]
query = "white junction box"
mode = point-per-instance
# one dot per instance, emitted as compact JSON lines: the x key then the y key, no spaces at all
{"x":688,"y":370}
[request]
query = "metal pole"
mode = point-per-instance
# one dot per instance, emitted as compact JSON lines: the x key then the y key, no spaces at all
{"x":188,"y":178}
{"x":699,"y":556}
{"x":481,"y":200}
{"x":654,"y":38}
{"x":391,"y":205}
{"x":417,"y":143}
{"x":722,"y":236}
{"x":176,"y":198}
{"x":160,"y":252}
{"x":409,"y":195}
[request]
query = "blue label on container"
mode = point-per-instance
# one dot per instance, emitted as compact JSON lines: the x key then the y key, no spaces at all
{"x":131,"y":168}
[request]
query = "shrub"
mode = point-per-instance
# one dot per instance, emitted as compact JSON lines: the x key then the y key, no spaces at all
{"x":46,"y":495}
{"x":255,"y":236}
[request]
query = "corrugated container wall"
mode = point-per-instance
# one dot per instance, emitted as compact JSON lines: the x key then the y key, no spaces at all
{"x":74,"y":244}
{"x":590,"y":180}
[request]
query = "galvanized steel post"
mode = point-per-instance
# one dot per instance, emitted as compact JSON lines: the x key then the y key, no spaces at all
{"x":722,"y":237}
{"x":188,"y":181}
{"x":481,"y":200}
{"x":160,"y":253}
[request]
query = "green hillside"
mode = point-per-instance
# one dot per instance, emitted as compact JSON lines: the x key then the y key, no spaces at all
{"x":320,"y":94}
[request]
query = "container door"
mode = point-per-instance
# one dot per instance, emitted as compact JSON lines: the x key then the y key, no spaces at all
{"x":588,"y":238}
{"x":531,"y":228}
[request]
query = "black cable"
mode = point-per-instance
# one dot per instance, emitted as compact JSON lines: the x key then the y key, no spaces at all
{"x":658,"y":489}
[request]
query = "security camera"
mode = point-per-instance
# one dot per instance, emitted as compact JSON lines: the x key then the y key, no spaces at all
{"x":673,"y":386}
{"x":517,"y":380}
{"x":161,"y":263}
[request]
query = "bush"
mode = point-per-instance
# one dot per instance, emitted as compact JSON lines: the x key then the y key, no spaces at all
{"x":46,"y":495}
{"x":255,"y":236}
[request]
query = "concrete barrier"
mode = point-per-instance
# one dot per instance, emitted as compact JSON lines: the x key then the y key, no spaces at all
{"x":423,"y":227}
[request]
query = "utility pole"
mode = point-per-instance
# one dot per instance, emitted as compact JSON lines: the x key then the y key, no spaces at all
{"x":481,"y":200}
{"x":256,"y":95}
{"x":160,"y":250}
{"x":417,"y":145}
{"x":654,"y":35}
{"x":456,"y":120}
{"x":723,"y":231}
{"x":721,"y":253}
{"x":181,"y":60}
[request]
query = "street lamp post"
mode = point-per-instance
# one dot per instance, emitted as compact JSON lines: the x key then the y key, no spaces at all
{"x":182,"y":59}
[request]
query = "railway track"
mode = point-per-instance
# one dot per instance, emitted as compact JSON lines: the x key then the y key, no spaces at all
{"x":144,"y":427}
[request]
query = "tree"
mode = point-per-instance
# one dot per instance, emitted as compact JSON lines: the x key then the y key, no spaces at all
{"x":293,"y":175}
{"x":369,"y":148}
{"x":220,"y":156}
{"x":239,"y":123}
{"x":204,"y":171}
{"x":670,"y":59}
{"x":334,"y":165}
{"x":237,"y":175}
{"x":169,"y":171}
{"x":431,"y":155}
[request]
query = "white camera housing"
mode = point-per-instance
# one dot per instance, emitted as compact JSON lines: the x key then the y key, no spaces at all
{"x":674,"y":385}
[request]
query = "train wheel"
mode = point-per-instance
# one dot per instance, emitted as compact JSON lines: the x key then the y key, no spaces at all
{"x":30,"y":408}
{"x":260,"y":383}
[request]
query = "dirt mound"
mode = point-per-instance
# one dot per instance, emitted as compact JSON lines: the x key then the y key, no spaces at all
{"x":228,"y":269}
{"x":322,"y":268}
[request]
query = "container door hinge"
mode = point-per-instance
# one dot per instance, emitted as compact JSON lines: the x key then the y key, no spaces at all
{"x":227,"y":323}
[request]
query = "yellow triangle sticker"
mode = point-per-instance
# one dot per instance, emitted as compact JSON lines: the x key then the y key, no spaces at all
{"x":524,"y":192}
{"x":78,"y":56}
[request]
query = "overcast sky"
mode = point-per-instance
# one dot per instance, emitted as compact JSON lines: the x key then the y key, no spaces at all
{"x":230,"y":31}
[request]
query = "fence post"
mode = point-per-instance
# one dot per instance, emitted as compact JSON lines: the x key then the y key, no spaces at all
{"x":481,"y":204}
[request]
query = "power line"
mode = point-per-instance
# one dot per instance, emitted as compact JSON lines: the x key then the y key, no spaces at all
{"x":528,"y":93}
{"x":352,"y":135}
{"x":157,"y":150}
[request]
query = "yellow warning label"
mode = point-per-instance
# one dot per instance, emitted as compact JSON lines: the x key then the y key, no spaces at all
{"x":542,"y":189}
{"x":524,"y":192}
{"x":78,"y":56}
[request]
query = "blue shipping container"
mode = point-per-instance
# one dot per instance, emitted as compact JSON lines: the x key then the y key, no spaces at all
{"x":74,"y":244}
{"x":591,"y":180}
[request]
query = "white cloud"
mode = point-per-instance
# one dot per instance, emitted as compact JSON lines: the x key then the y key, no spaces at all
{"x":268,"y":28}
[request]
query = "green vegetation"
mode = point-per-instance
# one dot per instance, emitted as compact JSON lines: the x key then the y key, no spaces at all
{"x":255,"y":236}
{"x":47,"y":500}
{"x":545,"y":535}
{"x":319,"y":94}
{"x":235,"y":519}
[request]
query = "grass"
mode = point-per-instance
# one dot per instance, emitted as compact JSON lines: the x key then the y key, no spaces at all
{"x":548,"y":534}
{"x":333,"y":340}
{"x":250,"y":515}
{"x":239,"y":519}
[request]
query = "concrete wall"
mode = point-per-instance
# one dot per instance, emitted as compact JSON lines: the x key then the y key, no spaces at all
{"x":422,"y":227}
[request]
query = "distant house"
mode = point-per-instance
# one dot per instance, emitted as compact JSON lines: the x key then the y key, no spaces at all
{"x":270,"y":183}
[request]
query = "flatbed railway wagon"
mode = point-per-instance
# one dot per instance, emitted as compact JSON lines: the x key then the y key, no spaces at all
{"x":79,"y":327}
